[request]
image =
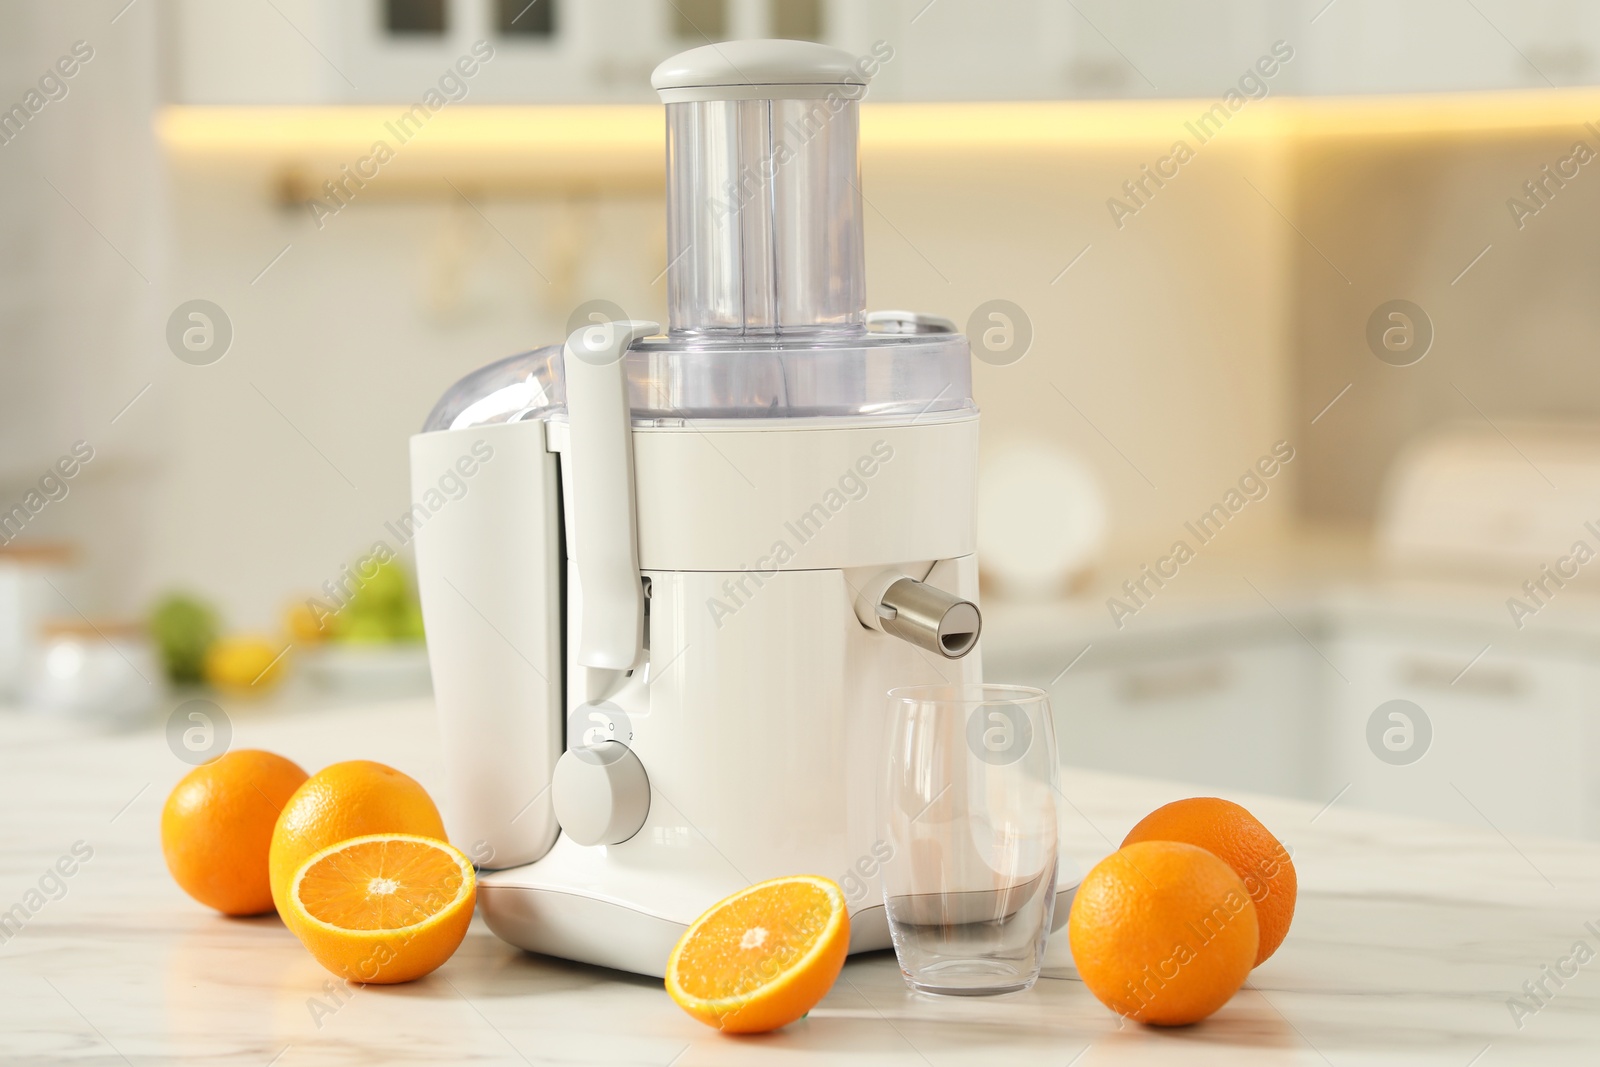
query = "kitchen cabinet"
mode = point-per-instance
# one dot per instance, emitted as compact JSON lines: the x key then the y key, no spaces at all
{"x":388,"y":51}
{"x":578,"y":51}
{"x":1507,"y":742}
{"x":1238,"y":701}
{"x":1232,"y":715}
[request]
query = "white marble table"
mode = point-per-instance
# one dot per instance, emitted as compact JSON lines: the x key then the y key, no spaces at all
{"x":1409,"y":939}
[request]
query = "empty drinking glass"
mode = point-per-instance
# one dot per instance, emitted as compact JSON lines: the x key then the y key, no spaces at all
{"x":968,"y":809}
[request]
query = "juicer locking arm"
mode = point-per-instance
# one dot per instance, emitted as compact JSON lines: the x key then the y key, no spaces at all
{"x":919,"y":613}
{"x":605,"y":548}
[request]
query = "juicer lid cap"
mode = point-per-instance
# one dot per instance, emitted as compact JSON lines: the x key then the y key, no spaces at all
{"x":759,"y":70}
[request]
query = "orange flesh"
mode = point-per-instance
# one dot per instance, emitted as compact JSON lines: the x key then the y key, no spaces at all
{"x":750,"y":941}
{"x":380,"y":885}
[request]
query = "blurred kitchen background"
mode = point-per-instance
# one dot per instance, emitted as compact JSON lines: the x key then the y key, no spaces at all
{"x":1156,"y":330}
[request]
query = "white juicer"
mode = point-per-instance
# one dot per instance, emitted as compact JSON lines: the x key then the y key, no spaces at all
{"x":663,"y":616}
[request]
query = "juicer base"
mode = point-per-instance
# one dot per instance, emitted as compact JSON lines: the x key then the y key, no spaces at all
{"x":608,"y":934}
{"x":524,"y":907}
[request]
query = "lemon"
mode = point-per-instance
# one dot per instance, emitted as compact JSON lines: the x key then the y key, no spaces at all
{"x":244,"y":666}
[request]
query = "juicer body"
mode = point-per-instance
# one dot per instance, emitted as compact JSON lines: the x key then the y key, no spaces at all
{"x":758,"y":709}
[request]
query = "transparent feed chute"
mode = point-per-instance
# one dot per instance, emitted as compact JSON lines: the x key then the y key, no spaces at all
{"x":765,"y":277}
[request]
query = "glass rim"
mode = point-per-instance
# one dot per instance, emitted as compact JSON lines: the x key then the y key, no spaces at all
{"x":964,"y":695}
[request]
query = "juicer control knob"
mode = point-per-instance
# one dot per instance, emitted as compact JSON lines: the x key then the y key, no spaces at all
{"x":601,"y":793}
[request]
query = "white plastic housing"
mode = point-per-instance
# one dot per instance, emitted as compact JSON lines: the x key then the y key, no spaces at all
{"x":489,"y":574}
{"x":758,"y":712}
{"x":605,"y":546}
{"x":724,"y":494}
{"x":764,"y":744}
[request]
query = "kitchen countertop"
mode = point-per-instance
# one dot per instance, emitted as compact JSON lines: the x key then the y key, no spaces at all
{"x":1313,"y":581}
{"x":1408,"y":941}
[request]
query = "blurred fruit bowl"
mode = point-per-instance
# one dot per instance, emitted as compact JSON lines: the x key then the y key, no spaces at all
{"x":369,"y":670}
{"x":382,"y":609}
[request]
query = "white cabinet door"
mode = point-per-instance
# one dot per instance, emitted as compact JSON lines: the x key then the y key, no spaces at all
{"x":1503,"y":743}
{"x":571,"y":51}
{"x":1234,"y":716}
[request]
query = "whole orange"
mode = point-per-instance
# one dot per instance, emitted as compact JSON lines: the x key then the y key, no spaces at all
{"x":1232,"y":834}
{"x":216,"y":828}
{"x":345,"y":800}
{"x":1162,"y":932}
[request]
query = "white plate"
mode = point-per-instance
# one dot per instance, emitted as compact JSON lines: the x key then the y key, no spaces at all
{"x":1041,"y":519}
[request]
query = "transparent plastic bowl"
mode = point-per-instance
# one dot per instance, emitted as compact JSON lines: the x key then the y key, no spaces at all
{"x":819,"y":375}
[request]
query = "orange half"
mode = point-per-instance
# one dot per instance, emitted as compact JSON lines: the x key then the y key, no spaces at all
{"x":763,"y":957}
{"x":384,"y":907}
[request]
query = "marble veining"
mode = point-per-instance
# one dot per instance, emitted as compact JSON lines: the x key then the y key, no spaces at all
{"x":1409,"y":940}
